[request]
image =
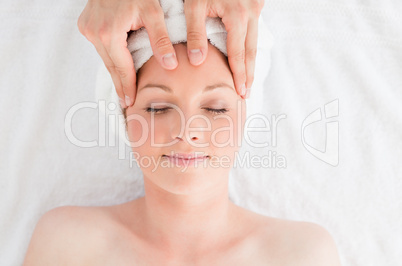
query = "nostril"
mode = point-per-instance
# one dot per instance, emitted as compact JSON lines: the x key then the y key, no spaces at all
{"x":192,"y":138}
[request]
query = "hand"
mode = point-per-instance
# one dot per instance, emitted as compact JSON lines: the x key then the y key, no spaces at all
{"x":240,"y":18}
{"x":105,"y":23}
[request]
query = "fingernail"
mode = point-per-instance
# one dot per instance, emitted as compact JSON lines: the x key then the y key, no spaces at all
{"x":123,"y":105}
{"x":243,"y":89}
{"x":170,"y":60}
{"x":128,"y":101}
{"x":248,"y":93}
{"x":195,"y":56}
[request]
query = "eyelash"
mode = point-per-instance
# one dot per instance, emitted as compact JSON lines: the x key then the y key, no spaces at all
{"x":217,"y":111}
{"x":163,"y":110}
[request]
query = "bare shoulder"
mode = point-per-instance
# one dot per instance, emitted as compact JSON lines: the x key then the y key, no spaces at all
{"x":313,"y":245}
{"x":66,"y":235}
{"x":300,"y":243}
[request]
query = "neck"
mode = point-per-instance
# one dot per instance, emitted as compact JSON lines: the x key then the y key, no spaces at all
{"x":180,"y":223}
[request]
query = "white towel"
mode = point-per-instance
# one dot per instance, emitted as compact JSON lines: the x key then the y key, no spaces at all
{"x":175,"y":20}
{"x":139,"y":45}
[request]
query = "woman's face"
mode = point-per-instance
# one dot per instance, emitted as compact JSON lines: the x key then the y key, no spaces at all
{"x":187,"y":115}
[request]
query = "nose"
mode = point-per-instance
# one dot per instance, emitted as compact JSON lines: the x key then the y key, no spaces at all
{"x":192,"y":138}
{"x":191,"y":128}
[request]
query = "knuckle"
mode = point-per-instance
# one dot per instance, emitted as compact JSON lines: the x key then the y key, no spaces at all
{"x":238,"y":56}
{"x":189,"y":7}
{"x":195,"y":36}
{"x":251,"y":53}
{"x":80,"y":26}
{"x":256,"y":6}
{"x":162,"y":42}
{"x":155,"y":12}
{"x":90,"y":36}
{"x":86,"y":31}
{"x":193,"y":7}
{"x":122,"y":72}
{"x":104,"y":35}
{"x":241,"y":14}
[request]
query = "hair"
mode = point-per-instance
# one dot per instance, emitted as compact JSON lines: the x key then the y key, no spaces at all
{"x":124,"y":111}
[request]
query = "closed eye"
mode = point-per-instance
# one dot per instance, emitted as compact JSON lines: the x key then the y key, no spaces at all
{"x":217,"y":111}
{"x":165,"y":109}
{"x":157,"y":110}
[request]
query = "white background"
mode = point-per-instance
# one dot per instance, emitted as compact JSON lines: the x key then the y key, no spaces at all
{"x":350,"y":51}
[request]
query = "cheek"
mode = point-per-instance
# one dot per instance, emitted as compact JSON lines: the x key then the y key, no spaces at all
{"x":223,"y":131}
{"x":228,"y":128}
{"x":159,"y":132}
{"x":137,"y":129}
{"x":227,"y":133}
{"x":143,"y":147}
{"x":144,"y":134}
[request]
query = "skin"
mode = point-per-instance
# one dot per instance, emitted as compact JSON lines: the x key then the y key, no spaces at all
{"x":199,"y":195}
{"x":105,"y":23}
{"x":186,"y":217}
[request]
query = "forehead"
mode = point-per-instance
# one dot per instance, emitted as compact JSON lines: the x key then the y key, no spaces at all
{"x":214,"y":68}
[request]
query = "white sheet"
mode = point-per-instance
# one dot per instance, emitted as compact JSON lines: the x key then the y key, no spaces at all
{"x":345,"y":52}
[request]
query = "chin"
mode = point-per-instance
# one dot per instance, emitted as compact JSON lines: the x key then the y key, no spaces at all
{"x":188,"y":181}
{"x":180,"y":183}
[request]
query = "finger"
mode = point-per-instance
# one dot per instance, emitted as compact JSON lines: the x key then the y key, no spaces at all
{"x":251,"y":52}
{"x":111,"y":68}
{"x":154,"y":22}
{"x":236,"y":28}
{"x":197,"y":44}
{"x":124,"y":66}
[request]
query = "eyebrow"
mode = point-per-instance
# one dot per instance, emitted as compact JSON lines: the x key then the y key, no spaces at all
{"x":167,"y":89}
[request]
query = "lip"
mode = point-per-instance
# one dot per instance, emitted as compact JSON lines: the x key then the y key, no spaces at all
{"x":186,"y":156}
{"x":185,"y":159}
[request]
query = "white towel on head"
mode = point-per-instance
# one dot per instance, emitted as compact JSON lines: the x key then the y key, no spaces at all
{"x":140,"y":47}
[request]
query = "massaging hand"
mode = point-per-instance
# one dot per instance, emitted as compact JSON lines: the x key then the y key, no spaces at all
{"x":240,"y":18}
{"x":105,"y":23}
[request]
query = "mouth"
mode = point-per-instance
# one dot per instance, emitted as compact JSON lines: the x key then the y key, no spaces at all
{"x":188,"y":157}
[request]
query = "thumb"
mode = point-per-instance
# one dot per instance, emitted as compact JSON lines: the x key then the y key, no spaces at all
{"x":197,"y":45}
